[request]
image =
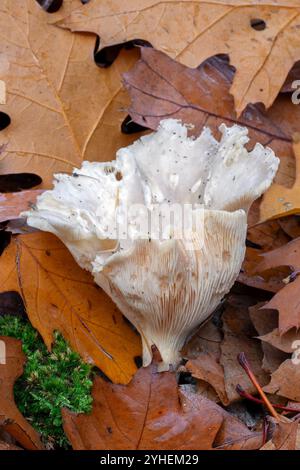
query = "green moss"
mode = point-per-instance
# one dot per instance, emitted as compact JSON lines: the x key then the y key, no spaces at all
{"x":50,"y":381}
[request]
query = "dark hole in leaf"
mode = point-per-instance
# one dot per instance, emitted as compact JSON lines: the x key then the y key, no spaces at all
{"x":186,"y":378}
{"x":4,"y":121}
{"x":140,"y":42}
{"x":18,"y":181}
{"x":106,"y":56}
{"x":102,"y":375}
{"x":258,"y":24}
{"x":11,"y":303}
{"x":4,"y":240}
{"x":138,"y":361}
{"x":251,"y":244}
{"x":128,"y":126}
{"x":51,"y":6}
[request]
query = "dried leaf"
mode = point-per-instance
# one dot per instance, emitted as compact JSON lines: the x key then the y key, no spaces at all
{"x":266,"y":236}
{"x":284,"y":436}
{"x":206,"y":368}
{"x":282,"y":342}
{"x":160,"y":87}
{"x":13,"y":203}
{"x":264,"y":320}
{"x":291,"y":226}
{"x":286,"y":301}
{"x":270,"y":280}
{"x":239,"y":337}
{"x":152,"y":413}
{"x":192,"y":32}
{"x":280,"y":201}
{"x":60,"y":296}
{"x":285,"y":381}
{"x":62,"y":107}
{"x":11,"y":420}
{"x":207,"y":339}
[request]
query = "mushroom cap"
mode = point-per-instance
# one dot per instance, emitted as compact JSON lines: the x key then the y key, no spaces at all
{"x":165,"y":280}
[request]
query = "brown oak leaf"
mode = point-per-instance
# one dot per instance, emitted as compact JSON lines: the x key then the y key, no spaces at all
{"x":62,"y":107}
{"x":59,"y":295}
{"x":264,"y":320}
{"x":239,"y":335}
{"x":255,"y":35}
{"x":11,"y":420}
{"x":286,"y":301}
{"x":12,"y":204}
{"x":280,"y":201}
{"x":153,"y":413}
{"x":284,"y":437}
{"x":285,"y":381}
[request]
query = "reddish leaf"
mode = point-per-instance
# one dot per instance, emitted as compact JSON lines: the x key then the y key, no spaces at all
{"x":285,"y":381}
{"x":59,"y":295}
{"x":264,"y":320}
{"x":12,"y":204}
{"x":160,"y":87}
{"x":286,"y":301}
{"x":238,"y":337}
{"x":11,"y":420}
{"x":152,"y":413}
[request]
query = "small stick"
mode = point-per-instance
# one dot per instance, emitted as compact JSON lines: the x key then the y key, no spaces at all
{"x":248,"y":396}
{"x":246,"y":366}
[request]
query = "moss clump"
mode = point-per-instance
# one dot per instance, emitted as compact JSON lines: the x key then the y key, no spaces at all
{"x":51,"y":380}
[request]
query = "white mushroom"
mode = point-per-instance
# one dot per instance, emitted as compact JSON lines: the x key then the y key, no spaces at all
{"x":165,"y":280}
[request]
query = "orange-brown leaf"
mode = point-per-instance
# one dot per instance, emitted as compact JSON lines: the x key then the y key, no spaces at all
{"x":285,"y":381}
{"x":59,"y":295}
{"x":152,"y":413}
{"x":193,"y":31}
{"x":161,"y":88}
{"x":63,"y":108}
{"x":280,"y":201}
{"x":11,"y":420}
{"x":286,"y":301}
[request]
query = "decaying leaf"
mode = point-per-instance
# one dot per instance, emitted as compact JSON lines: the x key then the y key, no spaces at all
{"x":284,"y":436}
{"x":291,"y":225}
{"x":256,"y":35}
{"x":207,"y":369}
{"x":152,"y":413}
{"x":285,"y":381}
{"x":239,"y":336}
{"x":60,"y":296}
{"x":264,"y":320}
{"x":206,"y":339}
{"x":12,"y":204}
{"x":161,"y":88}
{"x":286,"y":301}
{"x":280,"y":201}
{"x":62,"y":107}
{"x":282,"y":342}
{"x":205,"y":344}
{"x":11,"y":420}
{"x":270,"y":280}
